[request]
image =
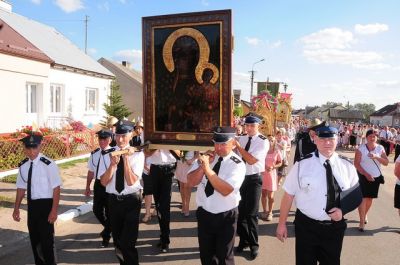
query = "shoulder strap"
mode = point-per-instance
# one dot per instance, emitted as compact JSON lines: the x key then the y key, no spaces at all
{"x":380,"y":172}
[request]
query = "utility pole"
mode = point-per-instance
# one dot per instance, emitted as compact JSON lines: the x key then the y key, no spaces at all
{"x":86,"y":27}
{"x":252,"y":77}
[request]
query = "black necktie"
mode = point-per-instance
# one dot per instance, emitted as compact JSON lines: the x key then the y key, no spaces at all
{"x":119,"y":176}
{"x":332,"y":199}
{"x":29,"y":182}
{"x":209,"y":190}
{"x":98,"y":165}
{"x":247,"y":147}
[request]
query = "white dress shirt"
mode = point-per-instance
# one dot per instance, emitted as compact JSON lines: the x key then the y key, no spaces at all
{"x":306,"y":181}
{"x":258,"y":148}
{"x":368,"y":164}
{"x":98,"y":163}
{"x":161,"y":157}
{"x":45,"y":177}
{"x":232,"y":171}
{"x":136,"y":162}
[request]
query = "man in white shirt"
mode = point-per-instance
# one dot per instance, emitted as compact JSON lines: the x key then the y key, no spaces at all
{"x":218,"y":176}
{"x":122,"y":182}
{"x":39,"y":177}
{"x":253,"y":149}
{"x":163,"y":164}
{"x":97,"y":165}
{"x":315,"y":183}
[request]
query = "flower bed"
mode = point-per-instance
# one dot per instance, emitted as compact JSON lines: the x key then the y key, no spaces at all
{"x":55,"y":144}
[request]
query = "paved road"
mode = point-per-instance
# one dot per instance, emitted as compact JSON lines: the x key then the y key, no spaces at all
{"x":77,"y":240}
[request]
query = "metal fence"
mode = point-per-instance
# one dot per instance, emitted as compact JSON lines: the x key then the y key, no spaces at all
{"x":56,"y":146}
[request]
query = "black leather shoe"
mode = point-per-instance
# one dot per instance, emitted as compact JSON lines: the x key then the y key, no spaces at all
{"x":163,"y":247}
{"x":240,"y":248}
{"x":253,"y":253}
{"x":105,"y":242}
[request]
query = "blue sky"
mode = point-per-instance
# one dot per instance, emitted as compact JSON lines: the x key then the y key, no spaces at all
{"x":342,"y":50}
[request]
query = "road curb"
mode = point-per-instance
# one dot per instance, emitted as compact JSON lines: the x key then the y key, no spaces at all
{"x":78,"y":211}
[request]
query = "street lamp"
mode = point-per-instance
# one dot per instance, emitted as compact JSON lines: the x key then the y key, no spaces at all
{"x":252,"y":77}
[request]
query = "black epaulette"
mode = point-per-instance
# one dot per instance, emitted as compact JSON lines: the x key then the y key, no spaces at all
{"x":23,"y":162}
{"x":94,"y":151}
{"x":45,"y":160}
{"x":305,"y":157}
{"x":236,"y":160}
{"x":346,"y":158}
{"x":262,"y":136}
{"x":108,"y":151}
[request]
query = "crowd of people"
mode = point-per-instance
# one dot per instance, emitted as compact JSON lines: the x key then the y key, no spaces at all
{"x":244,"y":169}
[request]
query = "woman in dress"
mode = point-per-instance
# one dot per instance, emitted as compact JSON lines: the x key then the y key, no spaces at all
{"x":368,"y":160}
{"x":273,"y":161}
{"x":182,"y":168}
{"x":281,"y":145}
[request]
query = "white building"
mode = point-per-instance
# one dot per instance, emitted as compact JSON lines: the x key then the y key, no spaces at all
{"x":45,"y":79}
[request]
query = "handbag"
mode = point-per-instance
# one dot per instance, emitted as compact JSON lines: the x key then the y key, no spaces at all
{"x":381,"y":178}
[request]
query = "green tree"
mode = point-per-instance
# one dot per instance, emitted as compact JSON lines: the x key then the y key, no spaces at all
{"x":366,"y":108}
{"x":238,"y":111}
{"x":115,"y":107}
{"x":331,"y":104}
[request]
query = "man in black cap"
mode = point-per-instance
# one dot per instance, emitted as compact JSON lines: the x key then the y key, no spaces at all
{"x":218,"y":176}
{"x":305,"y":141}
{"x":39,"y":177}
{"x":122,"y":182}
{"x":97,"y":165}
{"x":253,"y":149}
{"x":137,"y":139}
{"x":317,"y":183}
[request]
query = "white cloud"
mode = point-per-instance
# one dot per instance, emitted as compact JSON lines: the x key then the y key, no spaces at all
{"x":104,"y":6}
{"x":369,"y":29}
{"x":123,"y":1}
{"x":330,"y":38}
{"x":69,"y":6}
{"x":205,"y":3}
{"x":36,"y":2}
{"x":132,"y":56}
{"x":92,"y":51}
{"x":341,"y":57}
{"x":253,"y":41}
{"x":391,"y":83}
{"x":275,"y":44}
{"x":373,"y":66}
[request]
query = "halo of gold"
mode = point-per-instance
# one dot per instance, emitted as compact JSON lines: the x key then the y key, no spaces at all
{"x":204,"y":53}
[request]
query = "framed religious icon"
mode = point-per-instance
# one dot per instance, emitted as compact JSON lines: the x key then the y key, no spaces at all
{"x":187,"y":76}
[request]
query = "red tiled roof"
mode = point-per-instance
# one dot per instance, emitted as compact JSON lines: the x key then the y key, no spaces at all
{"x":12,"y":43}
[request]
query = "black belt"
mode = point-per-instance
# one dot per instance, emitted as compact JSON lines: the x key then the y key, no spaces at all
{"x":164,"y":165}
{"x":253,"y":175}
{"x":302,"y":217}
{"x":124,"y":196}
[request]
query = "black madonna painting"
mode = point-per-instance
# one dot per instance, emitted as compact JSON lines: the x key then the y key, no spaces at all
{"x":187,"y":76}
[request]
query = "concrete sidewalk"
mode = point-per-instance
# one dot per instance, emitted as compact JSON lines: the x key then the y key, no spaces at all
{"x":72,"y":204}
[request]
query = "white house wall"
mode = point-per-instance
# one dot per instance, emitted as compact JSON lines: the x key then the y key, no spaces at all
{"x":74,"y":96}
{"x":15,"y":73}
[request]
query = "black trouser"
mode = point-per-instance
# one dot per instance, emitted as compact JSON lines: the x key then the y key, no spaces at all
{"x":124,"y":217}
{"x":386,"y":146}
{"x":100,"y":208}
{"x":162,"y":180}
{"x":247,"y":227}
{"x":216,"y":234}
{"x":318,"y":241}
{"x":396,"y":152}
{"x":41,"y":232}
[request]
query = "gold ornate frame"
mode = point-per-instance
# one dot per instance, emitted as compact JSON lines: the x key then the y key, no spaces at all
{"x":189,"y":25}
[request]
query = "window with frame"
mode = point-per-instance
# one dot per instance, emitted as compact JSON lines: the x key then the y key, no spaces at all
{"x":55,"y":97}
{"x":91,"y":100}
{"x":31,"y":98}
